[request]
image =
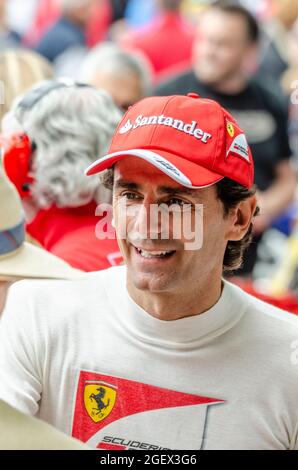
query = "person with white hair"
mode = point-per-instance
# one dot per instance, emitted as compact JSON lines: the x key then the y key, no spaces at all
{"x":125,"y":75}
{"x":68,"y":126}
{"x":69,"y":30}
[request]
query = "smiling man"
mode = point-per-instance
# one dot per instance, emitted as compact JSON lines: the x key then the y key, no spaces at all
{"x":161,"y":353}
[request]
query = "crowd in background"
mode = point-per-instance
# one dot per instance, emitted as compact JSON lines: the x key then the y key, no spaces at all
{"x":243,"y":54}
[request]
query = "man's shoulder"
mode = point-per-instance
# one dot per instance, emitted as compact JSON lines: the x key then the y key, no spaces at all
{"x":65,"y":295}
{"x":266,"y":320}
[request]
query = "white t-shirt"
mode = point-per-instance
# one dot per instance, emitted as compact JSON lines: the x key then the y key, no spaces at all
{"x":84,"y":357}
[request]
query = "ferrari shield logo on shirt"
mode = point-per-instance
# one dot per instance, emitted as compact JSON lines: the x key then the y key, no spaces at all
{"x":99,"y":400}
{"x":114,"y":413}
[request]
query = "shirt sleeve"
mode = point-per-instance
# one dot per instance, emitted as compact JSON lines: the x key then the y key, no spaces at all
{"x":20,"y":354}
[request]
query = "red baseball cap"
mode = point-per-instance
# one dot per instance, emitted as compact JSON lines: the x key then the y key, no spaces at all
{"x":193,"y":140}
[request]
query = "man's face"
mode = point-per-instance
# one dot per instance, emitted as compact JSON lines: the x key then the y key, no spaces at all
{"x":124,"y":88}
{"x":138,"y":184}
{"x":221,"y":46}
{"x":82,"y":14}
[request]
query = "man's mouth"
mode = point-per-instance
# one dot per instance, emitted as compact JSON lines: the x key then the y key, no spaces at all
{"x":154,"y":254}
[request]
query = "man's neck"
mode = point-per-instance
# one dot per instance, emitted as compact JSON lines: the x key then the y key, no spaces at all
{"x":72,"y":18}
{"x":173,"y":305}
{"x":230,"y":86}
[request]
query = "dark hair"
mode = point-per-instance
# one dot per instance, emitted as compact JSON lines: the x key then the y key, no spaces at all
{"x":230,"y":194}
{"x":234,"y":8}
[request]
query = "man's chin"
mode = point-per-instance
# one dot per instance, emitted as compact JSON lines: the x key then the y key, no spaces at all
{"x":149,"y":282}
{"x":209,"y":78}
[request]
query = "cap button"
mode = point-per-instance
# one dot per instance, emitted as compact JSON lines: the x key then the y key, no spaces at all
{"x":193,"y":95}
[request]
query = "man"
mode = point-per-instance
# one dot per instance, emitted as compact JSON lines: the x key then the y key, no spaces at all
{"x":166,"y":41}
{"x":161,"y":353}
{"x":68,"y":31}
{"x":61,"y":214}
{"x":123,"y":74}
{"x":225,"y":53}
{"x":275,"y":42}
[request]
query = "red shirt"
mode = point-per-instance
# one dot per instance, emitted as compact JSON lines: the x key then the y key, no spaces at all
{"x":70,"y":234}
{"x":48,"y":12}
{"x":167,"y":41}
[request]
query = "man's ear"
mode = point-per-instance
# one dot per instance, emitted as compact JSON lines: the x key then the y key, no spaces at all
{"x":240,"y":219}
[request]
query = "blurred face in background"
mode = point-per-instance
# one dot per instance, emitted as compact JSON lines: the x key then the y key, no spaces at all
{"x":82,"y":13}
{"x":125,"y":88}
{"x":222,"y":48}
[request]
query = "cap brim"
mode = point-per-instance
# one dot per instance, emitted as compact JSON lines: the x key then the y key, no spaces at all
{"x":33,"y":262}
{"x":183,"y":171}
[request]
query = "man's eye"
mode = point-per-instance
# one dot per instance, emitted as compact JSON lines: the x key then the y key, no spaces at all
{"x":130,"y":196}
{"x":176,"y":201}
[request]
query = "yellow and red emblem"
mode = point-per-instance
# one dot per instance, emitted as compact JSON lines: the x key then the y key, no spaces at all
{"x":99,"y":399}
{"x":230,"y":129}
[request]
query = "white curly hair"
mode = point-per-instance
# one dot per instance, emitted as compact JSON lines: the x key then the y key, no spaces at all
{"x":71,"y":127}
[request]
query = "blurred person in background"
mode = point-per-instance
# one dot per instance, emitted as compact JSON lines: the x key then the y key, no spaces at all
{"x":48,"y":12}
{"x":125,"y":75}
{"x":274,"y":44}
{"x":289,"y":83}
{"x":69,"y":30}
{"x":19,"y":70}
{"x":68,"y":126}
{"x":8,"y":37}
{"x":138,"y":13}
{"x":167,"y":40}
{"x":225,"y":56}
{"x":20,"y":15}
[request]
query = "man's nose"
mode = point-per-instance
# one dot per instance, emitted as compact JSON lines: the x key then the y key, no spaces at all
{"x":147,"y":220}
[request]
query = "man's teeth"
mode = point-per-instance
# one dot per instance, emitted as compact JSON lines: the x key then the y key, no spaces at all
{"x":153,"y":254}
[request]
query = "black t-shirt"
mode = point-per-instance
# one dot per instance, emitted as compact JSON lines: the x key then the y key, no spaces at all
{"x":259,"y":112}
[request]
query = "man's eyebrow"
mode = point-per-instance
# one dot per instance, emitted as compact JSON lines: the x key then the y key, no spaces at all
{"x":126,"y":185}
{"x":179,"y":191}
{"x":168,"y":190}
